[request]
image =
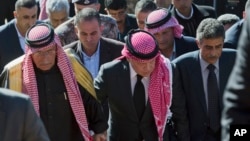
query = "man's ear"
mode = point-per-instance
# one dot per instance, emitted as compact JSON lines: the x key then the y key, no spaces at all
{"x":197,"y":43}
{"x":76,"y":30}
{"x":15,"y":14}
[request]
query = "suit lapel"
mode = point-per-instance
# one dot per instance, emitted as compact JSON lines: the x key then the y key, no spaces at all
{"x":223,"y":75}
{"x":125,"y":84}
{"x":14,"y":40}
{"x":197,"y":75}
{"x":104,"y":52}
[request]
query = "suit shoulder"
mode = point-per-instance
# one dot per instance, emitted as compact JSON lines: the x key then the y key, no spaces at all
{"x":71,"y":45}
{"x":116,"y":63}
{"x":8,"y":94}
{"x":112,"y":42}
{"x":187,"y":57}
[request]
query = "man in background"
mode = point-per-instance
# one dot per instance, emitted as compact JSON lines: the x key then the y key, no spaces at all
{"x":118,"y":10}
{"x":142,"y":9}
{"x":12,"y":34}
{"x":66,"y":31}
{"x":57,"y":12}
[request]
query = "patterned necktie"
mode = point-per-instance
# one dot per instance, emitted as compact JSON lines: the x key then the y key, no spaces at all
{"x":139,"y":97}
{"x":213,"y":99}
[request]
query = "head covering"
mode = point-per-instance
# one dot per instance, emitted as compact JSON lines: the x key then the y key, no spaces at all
{"x":84,"y":2}
{"x":160,"y":19}
{"x":141,"y":46}
{"x":40,"y":37}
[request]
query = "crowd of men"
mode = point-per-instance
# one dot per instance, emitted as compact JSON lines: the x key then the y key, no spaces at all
{"x":160,"y":73}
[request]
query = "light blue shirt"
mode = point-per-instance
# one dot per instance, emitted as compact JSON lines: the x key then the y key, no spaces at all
{"x":92,"y":62}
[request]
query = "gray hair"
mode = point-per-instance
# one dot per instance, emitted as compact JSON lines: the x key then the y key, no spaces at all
{"x":228,"y":18}
{"x":210,"y":28}
{"x":145,"y":6}
{"x":87,"y":14}
{"x":57,"y":6}
{"x":25,"y":3}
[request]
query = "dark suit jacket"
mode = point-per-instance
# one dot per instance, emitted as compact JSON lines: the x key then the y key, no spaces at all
{"x":10,"y":47}
{"x":109,"y":50}
{"x":113,"y":82}
{"x":185,"y":44}
{"x":190,"y":86}
{"x":18,"y":119}
{"x":232,"y":35}
{"x":200,"y":13}
{"x":237,"y":93}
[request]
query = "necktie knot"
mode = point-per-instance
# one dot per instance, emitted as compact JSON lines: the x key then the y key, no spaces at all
{"x":211,"y":67}
{"x":139,"y":77}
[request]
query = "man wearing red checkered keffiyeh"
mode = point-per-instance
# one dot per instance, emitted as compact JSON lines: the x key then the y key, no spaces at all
{"x":45,"y":73}
{"x":116,"y":81}
{"x":168,"y":33}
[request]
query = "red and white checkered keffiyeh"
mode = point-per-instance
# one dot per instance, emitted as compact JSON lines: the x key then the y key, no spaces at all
{"x":42,"y":15}
{"x":159,"y":90}
{"x":158,"y":15}
{"x":30,"y":83}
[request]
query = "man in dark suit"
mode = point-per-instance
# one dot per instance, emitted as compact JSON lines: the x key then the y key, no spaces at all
{"x":190,"y":15}
{"x":168,"y":33}
{"x":118,"y":10}
{"x":233,"y":33}
{"x":18,"y":119}
{"x":12,"y":34}
{"x":138,"y":88}
{"x":91,"y":49}
{"x":236,"y":97}
{"x":196,"y":72}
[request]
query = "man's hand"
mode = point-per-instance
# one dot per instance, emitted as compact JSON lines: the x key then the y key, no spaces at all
{"x":100,"y":136}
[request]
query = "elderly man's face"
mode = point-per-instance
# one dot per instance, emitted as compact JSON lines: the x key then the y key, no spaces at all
{"x":58,"y":17}
{"x":25,"y":18}
{"x":45,"y":59}
{"x":211,"y":49}
{"x":143,"y":69}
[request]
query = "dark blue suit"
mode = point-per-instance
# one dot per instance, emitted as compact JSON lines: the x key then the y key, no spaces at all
{"x":10,"y":47}
{"x":188,"y":84}
{"x":232,"y":35}
{"x":185,"y":44}
{"x":113,"y":83}
{"x":18,"y":119}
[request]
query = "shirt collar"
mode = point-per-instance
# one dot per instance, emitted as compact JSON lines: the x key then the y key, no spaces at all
{"x":184,"y":17}
{"x":204,"y":64}
{"x":79,"y":48}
